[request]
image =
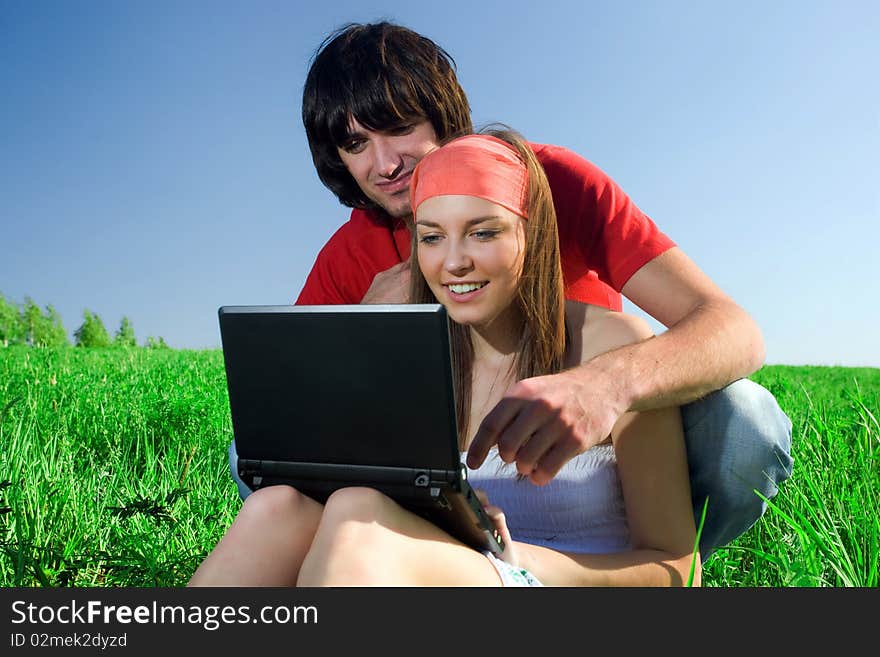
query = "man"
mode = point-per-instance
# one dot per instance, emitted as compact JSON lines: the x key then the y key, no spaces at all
{"x":377,"y":98}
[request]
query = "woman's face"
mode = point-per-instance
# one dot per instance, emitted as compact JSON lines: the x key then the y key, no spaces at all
{"x":471,"y":252}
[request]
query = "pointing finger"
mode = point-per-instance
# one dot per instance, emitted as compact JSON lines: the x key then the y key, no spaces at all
{"x":490,"y":428}
{"x":552,"y":461}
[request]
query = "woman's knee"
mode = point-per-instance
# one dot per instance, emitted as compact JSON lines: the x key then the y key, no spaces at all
{"x":275,"y":504}
{"x":357,"y":504}
{"x":355,"y":538}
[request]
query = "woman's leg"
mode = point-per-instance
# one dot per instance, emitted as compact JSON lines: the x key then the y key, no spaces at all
{"x":266,"y":543}
{"x":366,"y":539}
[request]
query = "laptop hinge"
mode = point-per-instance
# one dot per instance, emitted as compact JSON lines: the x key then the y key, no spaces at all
{"x":418,"y":477}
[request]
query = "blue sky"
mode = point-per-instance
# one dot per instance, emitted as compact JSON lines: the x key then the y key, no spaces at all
{"x":153,"y":161}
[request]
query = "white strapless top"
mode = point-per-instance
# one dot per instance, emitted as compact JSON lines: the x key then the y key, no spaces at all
{"x":580,"y":510}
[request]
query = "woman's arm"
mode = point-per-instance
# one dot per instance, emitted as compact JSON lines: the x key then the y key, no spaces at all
{"x":653,"y":473}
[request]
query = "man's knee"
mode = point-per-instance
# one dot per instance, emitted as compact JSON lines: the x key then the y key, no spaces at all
{"x":739,"y":432}
{"x":738,"y":442}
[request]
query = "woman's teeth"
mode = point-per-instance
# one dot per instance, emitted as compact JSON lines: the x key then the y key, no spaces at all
{"x":464,"y":288}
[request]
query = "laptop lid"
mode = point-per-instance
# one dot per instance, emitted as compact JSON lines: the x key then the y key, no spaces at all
{"x":377,"y":378}
{"x":327,"y":396}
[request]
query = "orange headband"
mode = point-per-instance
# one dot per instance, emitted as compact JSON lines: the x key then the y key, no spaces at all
{"x":474,"y":165}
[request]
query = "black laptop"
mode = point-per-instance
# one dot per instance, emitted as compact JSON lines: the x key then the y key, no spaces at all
{"x":326,"y":397}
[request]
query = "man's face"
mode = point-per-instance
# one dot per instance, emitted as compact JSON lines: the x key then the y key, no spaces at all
{"x":382,"y":162}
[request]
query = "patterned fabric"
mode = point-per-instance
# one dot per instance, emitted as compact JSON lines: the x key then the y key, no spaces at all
{"x":512,"y":575}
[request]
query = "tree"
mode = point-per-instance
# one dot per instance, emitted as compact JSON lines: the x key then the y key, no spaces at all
{"x":31,"y":318}
{"x":153,"y":343}
{"x":10,"y":323}
{"x":50,"y":330}
{"x":42,"y":329}
{"x":125,"y":334}
{"x":92,"y":332}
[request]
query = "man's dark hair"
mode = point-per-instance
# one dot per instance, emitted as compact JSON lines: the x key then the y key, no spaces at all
{"x":384,"y":76}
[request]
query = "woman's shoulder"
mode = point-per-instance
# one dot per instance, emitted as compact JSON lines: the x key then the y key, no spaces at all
{"x":595,"y":330}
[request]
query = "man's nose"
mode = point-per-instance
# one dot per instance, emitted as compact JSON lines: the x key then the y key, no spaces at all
{"x":387,"y":161}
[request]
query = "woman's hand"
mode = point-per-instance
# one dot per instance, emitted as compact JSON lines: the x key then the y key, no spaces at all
{"x":496,"y":515}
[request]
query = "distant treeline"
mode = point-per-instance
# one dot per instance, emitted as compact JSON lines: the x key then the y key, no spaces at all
{"x":28,"y":324}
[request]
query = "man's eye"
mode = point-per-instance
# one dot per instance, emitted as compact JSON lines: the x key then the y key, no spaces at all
{"x":354,"y":146}
{"x":403,"y":129}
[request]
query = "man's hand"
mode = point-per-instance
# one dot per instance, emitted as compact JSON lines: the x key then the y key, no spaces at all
{"x":543,"y":422}
{"x":389,"y":286}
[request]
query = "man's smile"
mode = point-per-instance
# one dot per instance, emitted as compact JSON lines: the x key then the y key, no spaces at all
{"x":395,"y":186}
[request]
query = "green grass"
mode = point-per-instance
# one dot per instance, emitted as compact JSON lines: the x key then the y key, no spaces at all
{"x":113,"y":462}
{"x":113,"y":473}
{"x":823,"y":529}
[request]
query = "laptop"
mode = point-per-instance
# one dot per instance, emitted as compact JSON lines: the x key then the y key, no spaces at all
{"x":327,"y":397}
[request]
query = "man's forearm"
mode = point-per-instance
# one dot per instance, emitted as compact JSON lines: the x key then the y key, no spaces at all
{"x":714,"y":345}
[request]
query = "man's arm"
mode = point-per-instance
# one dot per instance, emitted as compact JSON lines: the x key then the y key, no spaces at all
{"x":360,"y":263}
{"x":390,"y":286}
{"x":710,"y":341}
{"x":545,"y":421}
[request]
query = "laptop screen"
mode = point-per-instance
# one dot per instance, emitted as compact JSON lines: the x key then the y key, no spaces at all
{"x":361,"y":384}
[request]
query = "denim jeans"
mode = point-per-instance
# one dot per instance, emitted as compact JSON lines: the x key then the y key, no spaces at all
{"x":738,"y":441}
{"x":243,"y":489}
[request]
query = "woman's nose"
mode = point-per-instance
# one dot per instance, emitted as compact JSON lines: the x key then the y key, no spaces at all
{"x":457,"y":260}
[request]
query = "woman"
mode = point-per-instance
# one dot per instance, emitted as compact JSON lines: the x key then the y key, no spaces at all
{"x":484,"y":240}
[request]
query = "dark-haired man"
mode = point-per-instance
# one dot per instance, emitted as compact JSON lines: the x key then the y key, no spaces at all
{"x":380,"y":96}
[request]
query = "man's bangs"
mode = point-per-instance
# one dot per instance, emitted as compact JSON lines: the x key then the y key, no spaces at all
{"x":375,"y":108}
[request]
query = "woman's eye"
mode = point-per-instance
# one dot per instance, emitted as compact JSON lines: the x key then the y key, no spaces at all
{"x":429,"y":239}
{"x":485,"y":234}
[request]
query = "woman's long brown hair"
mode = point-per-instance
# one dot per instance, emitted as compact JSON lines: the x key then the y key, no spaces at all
{"x":539,"y":295}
